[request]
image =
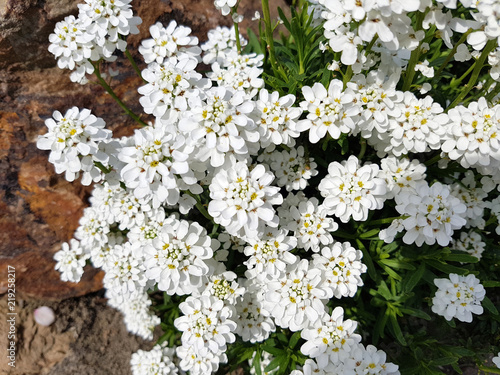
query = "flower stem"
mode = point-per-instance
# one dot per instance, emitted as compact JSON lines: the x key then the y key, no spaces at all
{"x":110,"y":91}
{"x":270,"y":41}
{"x":415,"y":55}
{"x":435,"y":159}
{"x":200,"y":207}
{"x":237,"y":35}
{"x":133,"y":63}
{"x":475,"y":74}
{"x":451,"y":55}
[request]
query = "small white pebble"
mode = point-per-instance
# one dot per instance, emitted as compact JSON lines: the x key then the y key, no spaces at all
{"x":44,"y":316}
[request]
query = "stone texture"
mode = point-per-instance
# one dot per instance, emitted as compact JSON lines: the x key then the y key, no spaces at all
{"x":38,"y":209}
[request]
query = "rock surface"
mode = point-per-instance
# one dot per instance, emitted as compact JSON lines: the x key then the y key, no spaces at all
{"x":38,"y":209}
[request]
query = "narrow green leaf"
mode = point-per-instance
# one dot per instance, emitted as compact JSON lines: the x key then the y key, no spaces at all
{"x":256,"y":362}
{"x":272,"y":350}
{"x":491,"y":284}
{"x":389,"y":271}
{"x":415,"y":312}
{"x":370,"y":233}
{"x":294,"y":339}
{"x":488,"y":305}
{"x":443,"y":361}
{"x":274,"y":364}
{"x":443,"y":267}
{"x":394,"y":263}
{"x":464,"y":258}
{"x":412,"y":278}
{"x":396,"y":329}
{"x":286,"y":23}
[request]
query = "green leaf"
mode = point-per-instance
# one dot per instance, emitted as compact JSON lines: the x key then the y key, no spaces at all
{"x":294,"y":340}
{"x":446,"y":268}
{"x":491,"y":284}
{"x":412,"y":278}
{"x":379,"y":328}
{"x":276,"y":362}
{"x":394,"y":263}
{"x":443,"y":361}
{"x":256,"y":363}
{"x":415,"y":312}
{"x":370,"y":233}
{"x":272,"y":350}
{"x":464,"y":258}
{"x":488,"y":305}
{"x":460,"y":351}
{"x":389,"y":271}
{"x":286,"y":23}
{"x":396,"y":328}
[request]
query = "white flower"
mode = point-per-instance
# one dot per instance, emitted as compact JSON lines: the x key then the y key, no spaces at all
{"x":496,"y":360}
{"x":367,"y":360}
{"x":432,"y":214}
{"x":106,"y":21}
{"x":225,"y":6}
{"x":342,"y":268}
{"x":472,"y":197}
{"x":70,"y":261}
{"x":401,"y":174}
{"x":125,"y":271}
{"x":292,"y":168}
{"x":73,"y":140}
{"x":70,"y":43}
{"x":198,"y":364}
{"x":472,"y":135}
{"x":297,"y":300}
{"x":462,"y":53}
{"x":352,"y":190}
{"x":276,"y":119}
{"x":471,"y":243}
{"x":310,"y":225}
{"x":242,"y":200}
{"x":269,"y":256}
{"x":458,"y":297}
{"x":135,"y":307}
{"x":329,"y":111}
{"x":419,"y":128}
{"x":157,"y":361}
{"x":330,"y":339}
{"x":221,"y":41}
{"x":156,"y":166}
{"x":171,"y":42}
{"x":222,"y":285}
{"x":169,"y":87}
{"x":425,"y":69}
{"x":205,"y":324}
{"x":176,"y":257}
{"x":254,"y":320}
{"x":221,"y":124}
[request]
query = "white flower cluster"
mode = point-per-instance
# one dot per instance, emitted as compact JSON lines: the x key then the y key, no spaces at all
{"x":95,"y":34}
{"x":431,"y":215}
{"x":261,"y":249}
{"x":458,"y":297}
{"x":74,"y":144}
{"x":157,"y":361}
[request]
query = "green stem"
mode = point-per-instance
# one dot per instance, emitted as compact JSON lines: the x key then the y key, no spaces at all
{"x":387,"y":220}
{"x":200,"y":207}
{"x":451,"y":55}
{"x":455,"y":83}
{"x":133,"y":63}
{"x":341,"y":234}
{"x":363,"y":148}
{"x":475,"y":74}
{"x":435,"y":159}
{"x":415,"y":55}
{"x":101,"y":167}
{"x":110,"y":91}
{"x":237,"y":35}
{"x":347,"y":76}
{"x":489,"y":370}
{"x":270,"y":41}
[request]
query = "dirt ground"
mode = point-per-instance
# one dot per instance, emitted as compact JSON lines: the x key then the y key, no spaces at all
{"x":87,"y":338}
